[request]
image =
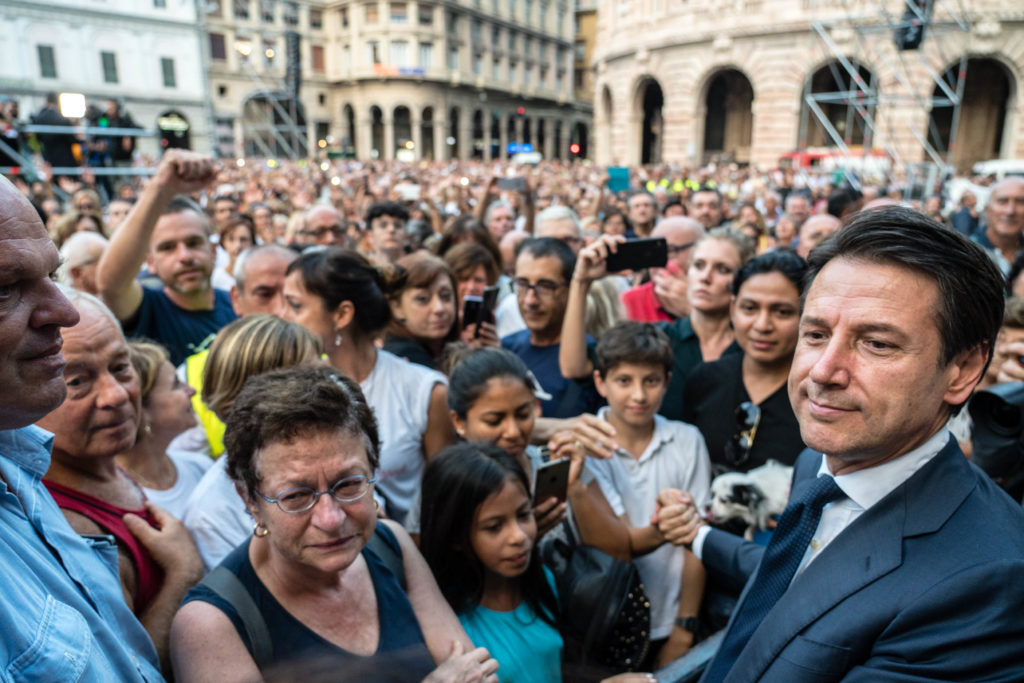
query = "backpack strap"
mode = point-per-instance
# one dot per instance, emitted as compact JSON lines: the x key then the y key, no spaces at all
{"x":225,"y":584}
{"x":391,"y":555}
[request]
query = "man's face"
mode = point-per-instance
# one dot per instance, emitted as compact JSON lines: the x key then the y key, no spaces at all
{"x":223,"y":210}
{"x":100,"y":416}
{"x":1004,"y":212}
{"x":180,"y":254}
{"x":32,"y":313}
{"x":387,"y":233}
{"x":564,"y":230}
{"x":798,"y":207}
{"x":641,"y":209}
{"x":706,"y":208}
{"x":117,"y":211}
{"x":262,"y":220}
{"x":502,"y":222}
{"x":264,"y":283}
{"x":323,"y":227}
{"x":868,"y":382}
{"x":543,"y":306}
{"x":814,"y":231}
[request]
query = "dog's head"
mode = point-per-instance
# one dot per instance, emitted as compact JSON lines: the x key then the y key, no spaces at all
{"x":735,"y":501}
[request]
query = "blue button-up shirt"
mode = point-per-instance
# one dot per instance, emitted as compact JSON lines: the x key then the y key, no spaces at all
{"x":62,"y":613}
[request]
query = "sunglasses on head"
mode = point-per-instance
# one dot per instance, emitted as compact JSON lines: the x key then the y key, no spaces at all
{"x":747,"y":418}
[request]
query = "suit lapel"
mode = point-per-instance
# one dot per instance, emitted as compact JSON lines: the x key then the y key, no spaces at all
{"x":871,"y":547}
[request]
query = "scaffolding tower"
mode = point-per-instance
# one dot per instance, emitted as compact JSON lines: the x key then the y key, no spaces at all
{"x":914,"y":39}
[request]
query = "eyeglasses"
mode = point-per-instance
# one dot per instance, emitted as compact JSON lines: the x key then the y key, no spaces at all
{"x":674,"y":249}
{"x":302,"y":498}
{"x":737,"y":449}
{"x":545,"y":289}
{"x":320,"y":233}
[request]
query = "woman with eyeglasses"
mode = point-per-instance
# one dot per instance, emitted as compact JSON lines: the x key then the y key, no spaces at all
{"x":321,"y":574}
{"x":740,"y":402}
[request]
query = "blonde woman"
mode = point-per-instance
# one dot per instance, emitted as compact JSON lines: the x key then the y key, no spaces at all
{"x":215,"y":514}
{"x":167,"y":477}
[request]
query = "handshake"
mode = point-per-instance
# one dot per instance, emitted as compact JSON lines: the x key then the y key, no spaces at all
{"x":676,"y":517}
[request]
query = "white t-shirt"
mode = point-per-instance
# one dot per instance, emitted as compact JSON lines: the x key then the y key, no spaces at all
{"x":216,"y":515}
{"x":399,"y":393}
{"x":191,"y":468}
{"x":677,"y":458}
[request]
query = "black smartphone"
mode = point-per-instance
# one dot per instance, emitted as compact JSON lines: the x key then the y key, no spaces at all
{"x":552,"y":481}
{"x":651,"y":252}
{"x":479,"y":309}
{"x":515,"y":184}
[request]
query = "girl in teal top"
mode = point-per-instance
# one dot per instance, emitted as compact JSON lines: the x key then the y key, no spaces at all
{"x":477,"y":535}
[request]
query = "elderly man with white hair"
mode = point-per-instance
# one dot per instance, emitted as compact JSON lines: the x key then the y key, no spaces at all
{"x":79,"y":256}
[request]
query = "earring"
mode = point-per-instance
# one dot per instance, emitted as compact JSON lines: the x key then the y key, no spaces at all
{"x":337,"y":338}
{"x":461,"y":432}
{"x":259,"y":531}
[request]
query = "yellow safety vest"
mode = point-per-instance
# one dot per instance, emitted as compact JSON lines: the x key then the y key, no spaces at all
{"x":214,"y":428}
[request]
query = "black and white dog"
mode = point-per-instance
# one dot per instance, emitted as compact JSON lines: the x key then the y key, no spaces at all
{"x":744,"y":502}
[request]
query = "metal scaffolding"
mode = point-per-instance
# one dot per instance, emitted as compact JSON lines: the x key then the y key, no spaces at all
{"x":896,"y":39}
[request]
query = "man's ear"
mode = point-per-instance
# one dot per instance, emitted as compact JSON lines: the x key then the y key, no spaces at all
{"x":965,"y":371}
{"x":599,"y":384}
{"x":236,"y":300}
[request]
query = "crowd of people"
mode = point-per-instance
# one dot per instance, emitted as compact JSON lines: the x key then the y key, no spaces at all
{"x":417,"y":346}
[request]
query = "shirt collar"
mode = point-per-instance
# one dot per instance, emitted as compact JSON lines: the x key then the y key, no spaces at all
{"x":28,"y":448}
{"x":659,"y":438}
{"x":868,"y":486}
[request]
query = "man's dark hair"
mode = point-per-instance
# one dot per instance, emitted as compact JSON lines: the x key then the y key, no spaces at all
{"x":970,"y":285}
{"x":675,"y":201}
{"x":633,"y":342}
{"x":707,"y":188}
{"x":51,"y":98}
{"x":540,"y":247}
{"x":224,"y":198}
{"x":393,"y":209}
{"x":841,"y":199}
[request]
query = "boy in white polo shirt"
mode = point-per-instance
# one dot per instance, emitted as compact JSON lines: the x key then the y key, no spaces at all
{"x":632,"y":370}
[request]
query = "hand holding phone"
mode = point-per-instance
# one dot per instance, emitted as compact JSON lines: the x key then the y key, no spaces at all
{"x":552,"y":481}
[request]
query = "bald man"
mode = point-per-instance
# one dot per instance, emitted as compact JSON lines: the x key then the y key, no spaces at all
{"x":663,"y":298}
{"x":814,"y":231}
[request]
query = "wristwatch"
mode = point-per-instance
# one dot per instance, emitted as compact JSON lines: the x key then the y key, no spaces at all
{"x":688,"y":623}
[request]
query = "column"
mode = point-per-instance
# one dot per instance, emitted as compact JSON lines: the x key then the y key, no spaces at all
{"x":417,"y":131}
{"x":502,"y":136}
{"x":440,"y":136}
{"x":566,"y":138}
{"x":549,"y":137}
{"x":389,"y":135}
{"x":364,"y":138}
{"x":465,"y":134}
{"x":519,"y":130}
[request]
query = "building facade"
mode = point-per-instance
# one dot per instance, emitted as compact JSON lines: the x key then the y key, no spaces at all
{"x":143,"y":53}
{"x":386,"y":79}
{"x":696,"y":82}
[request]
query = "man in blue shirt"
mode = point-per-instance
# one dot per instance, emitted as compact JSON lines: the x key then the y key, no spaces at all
{"x":62,"y":614}
{"x":171,"y":234}
{"x":543,"y":269}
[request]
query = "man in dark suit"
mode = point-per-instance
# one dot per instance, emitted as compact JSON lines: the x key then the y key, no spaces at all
{"x":56,"y":146}
{"x":911,"y":566}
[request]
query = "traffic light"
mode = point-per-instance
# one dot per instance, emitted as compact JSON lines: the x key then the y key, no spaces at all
{"x":574,"y":148}
{"x":520,"y":110}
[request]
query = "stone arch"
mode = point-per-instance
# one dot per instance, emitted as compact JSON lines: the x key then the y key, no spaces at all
{"x":985,"y":116}
{"x":402,"y":121}
{"x":426,"y":150}
{"x":580,"y":136}
{"x":726,"y":115}
{"x":376,"y":132}
{"x":477,"y":151}
{"x":842,"y":109}
{"x":453,"y":133}
{"x":348,"y":127}
{"x":648,"y":101}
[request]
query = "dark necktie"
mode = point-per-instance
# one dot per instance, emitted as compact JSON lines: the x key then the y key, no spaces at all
{"x":781,"y":559}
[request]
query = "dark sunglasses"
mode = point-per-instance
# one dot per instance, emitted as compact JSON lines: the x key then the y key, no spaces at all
{"x":748,"y":417}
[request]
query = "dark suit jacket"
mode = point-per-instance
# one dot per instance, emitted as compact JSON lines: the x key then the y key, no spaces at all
{"x":928,"y":584}
{"x":56,"y":147}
